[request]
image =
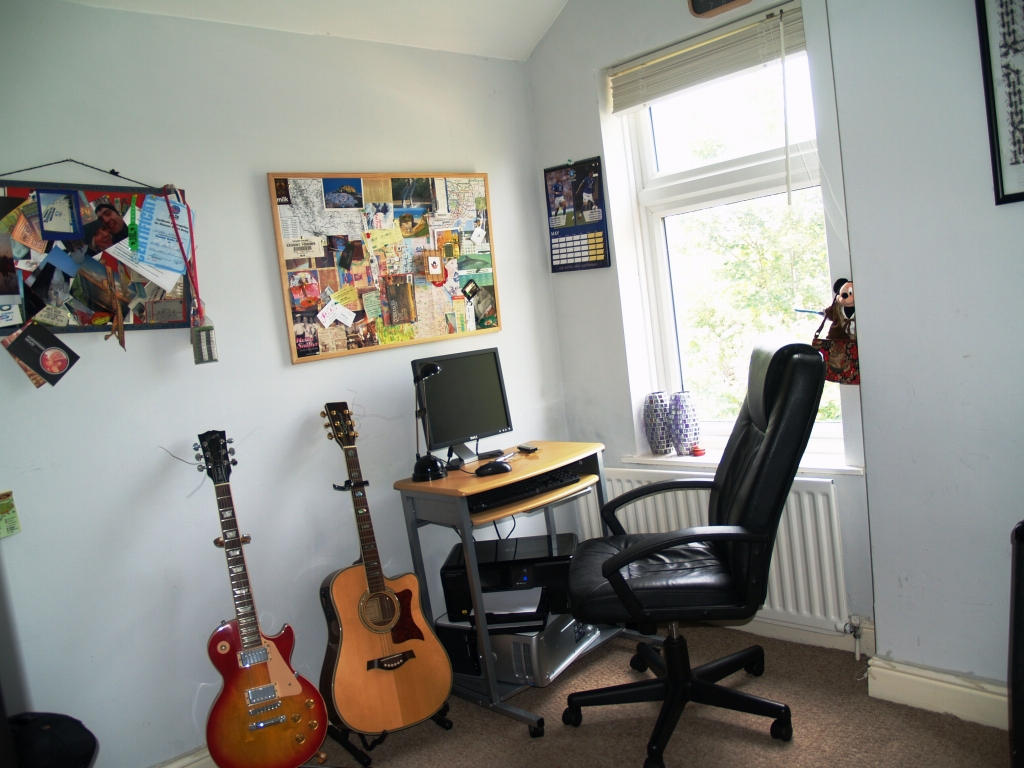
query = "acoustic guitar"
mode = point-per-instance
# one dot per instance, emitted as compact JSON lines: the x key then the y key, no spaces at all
{"x":266,"y":715}
{"x":384,"y":668}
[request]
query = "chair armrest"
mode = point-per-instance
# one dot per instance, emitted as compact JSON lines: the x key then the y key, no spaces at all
{"x":658,"y":542}
{"x":611,"y":567}
{"x":608,"y":510}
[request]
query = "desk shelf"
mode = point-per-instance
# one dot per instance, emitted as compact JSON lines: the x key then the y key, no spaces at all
{"x":556,"y":496}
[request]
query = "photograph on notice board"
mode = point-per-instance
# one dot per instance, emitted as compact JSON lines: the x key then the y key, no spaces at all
{"x":370,"y":261}
{"x":577,"y":224}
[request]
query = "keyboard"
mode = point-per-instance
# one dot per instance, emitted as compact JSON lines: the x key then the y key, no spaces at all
{"x":522,"y":489}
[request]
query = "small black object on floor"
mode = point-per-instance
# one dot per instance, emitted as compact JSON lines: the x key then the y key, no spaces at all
{"x":48,"y":740}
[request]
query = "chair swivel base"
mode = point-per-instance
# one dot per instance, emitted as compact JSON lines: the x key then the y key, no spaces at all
{"x":676,"y":685}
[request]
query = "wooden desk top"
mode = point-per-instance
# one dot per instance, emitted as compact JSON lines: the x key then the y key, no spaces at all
{"x":550,"y":455}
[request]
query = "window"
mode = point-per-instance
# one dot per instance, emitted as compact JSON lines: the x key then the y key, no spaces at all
{"x":732,"y":224}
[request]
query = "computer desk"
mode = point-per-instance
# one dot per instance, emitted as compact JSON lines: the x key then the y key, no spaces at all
{"x":445,"y":502}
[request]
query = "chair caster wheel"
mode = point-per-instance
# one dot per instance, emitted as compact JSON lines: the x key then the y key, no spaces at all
{"x":572,"y":716}
{"x":756,"y":668}
{"x":639,"y":663}
{"x":536,"y":733}
{"x":782,"y":730}
{"x":654,"y":762}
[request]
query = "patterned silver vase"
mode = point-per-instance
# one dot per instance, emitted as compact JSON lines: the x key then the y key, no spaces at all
{"x":656,"y":423}
{"x":683,"y":426}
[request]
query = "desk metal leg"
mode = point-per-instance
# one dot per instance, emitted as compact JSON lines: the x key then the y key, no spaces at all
{"x":491,"y":696}
{"x":413,"y":530}
{"x":549,"y":521}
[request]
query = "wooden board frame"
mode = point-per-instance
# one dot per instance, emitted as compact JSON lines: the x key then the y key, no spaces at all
{"x":444,"y":281}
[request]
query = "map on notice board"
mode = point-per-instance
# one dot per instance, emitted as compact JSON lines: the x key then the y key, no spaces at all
{"x":376,"y":260}
{"x":577,"y":220}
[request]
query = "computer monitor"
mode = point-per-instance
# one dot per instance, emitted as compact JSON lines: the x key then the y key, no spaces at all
{"x":464,"y":402}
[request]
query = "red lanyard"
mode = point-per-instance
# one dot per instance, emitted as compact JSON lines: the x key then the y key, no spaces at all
{"x":190,"y":264}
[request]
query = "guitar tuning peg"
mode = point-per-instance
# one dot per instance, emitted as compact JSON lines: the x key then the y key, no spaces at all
{"x":330,"y":435}
{"x":234,"y":462}
{"x":199,"y":457}
{"x":231,"y":451}
{"x":201,"y":468}
{"x":231,"y":440}
{"x":246,"y":538}
{"x":327,"y":425}
{"x":355,"y":434}
{"x":195,"y":446}
{"x":323,"y":414}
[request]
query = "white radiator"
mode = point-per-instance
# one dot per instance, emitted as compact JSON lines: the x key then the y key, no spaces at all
{"x":806,"y":589}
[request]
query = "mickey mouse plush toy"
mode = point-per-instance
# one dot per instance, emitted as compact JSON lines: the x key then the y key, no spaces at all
{"x":842,"y":312}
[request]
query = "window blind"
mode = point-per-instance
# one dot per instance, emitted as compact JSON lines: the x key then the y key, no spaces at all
{"x":724,"y":52}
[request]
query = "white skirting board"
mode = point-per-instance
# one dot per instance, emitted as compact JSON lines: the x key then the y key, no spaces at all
{"x":197,"y":758}
{"x":972,"y":700}
{"x":795,"y":633}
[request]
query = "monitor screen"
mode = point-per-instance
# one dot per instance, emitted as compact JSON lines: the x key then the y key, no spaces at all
{"x":466,"y":400}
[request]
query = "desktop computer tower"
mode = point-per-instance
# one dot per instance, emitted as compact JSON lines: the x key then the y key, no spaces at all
{"x":521,"y":563}
{"x":526,"y":658}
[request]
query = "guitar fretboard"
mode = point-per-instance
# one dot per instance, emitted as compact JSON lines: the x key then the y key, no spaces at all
{"x":241,"y":591}
{"x":367,"y":541}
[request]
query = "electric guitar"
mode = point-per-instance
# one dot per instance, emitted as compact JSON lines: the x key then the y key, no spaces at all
{"x":384,"y":668}
{"x":266,"y":715}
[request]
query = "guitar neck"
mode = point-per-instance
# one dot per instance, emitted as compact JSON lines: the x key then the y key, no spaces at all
{"x":241,"y":591}
{"x":367,"y":541}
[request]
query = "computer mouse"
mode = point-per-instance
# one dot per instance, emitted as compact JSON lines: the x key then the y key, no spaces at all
{"x":494,"y":468}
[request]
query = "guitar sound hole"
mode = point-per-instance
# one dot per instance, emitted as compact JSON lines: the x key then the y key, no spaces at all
{"x":380,"y":609}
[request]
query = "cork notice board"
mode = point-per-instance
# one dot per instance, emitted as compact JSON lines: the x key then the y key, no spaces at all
{"x":376,"y":260}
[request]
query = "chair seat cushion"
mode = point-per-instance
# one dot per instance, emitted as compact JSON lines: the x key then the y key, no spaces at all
{"x":658,"y":581}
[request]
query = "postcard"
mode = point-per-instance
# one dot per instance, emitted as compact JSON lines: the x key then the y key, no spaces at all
{"x":59,"y":214}
{"x":304,"y":247}
{"x":51,"y":315}
{"x":63,"y":261}
{"x":343,"y":193}
{"x":161,"y":241}
{"x":162,"y":277}
{"x":371,"y":303}
{"x":9,"y":524}
{"x":305,"y":334}
{"x":305,"y":290}
{"x":26,"y":234}
{"x":378,"y":238}
{"x":335,"y":311}
{"x":35,"y":378}
{"x":347,"y":296}
{"x":10,"y":314}
{"x":43,"y":352}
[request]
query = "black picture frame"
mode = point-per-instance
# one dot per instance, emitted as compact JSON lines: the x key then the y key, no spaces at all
{"x":1004,"y":97}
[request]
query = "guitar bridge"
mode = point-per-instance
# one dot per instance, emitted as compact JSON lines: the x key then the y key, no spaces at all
{"x":394,"y":661}
{"x":264,"y":723}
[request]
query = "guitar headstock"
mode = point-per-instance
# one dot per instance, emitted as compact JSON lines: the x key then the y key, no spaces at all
{"x":339,"y":426}
{"x":215,"y":451}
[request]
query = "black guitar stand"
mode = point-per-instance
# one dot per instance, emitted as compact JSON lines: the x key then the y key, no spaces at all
{"x":341,"y":735}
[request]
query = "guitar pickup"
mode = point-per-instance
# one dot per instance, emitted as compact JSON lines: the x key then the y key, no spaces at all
{"x":394,"y":661}
{"x":253,"y":656}
{"x":255,"y":696}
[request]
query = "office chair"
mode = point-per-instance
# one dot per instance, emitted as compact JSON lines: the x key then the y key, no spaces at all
{"x":718,"y":571}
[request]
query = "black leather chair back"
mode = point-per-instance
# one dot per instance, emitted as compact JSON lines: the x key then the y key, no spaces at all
{"x":763,"y":453}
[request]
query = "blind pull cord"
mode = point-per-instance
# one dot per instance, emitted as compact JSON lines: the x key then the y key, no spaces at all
{"x":785,"y":108}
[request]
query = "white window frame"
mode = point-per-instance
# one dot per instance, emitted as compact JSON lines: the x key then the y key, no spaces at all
{"x":656,"y":195}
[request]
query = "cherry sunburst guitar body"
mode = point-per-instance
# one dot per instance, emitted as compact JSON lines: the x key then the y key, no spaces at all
{"x":384,"y":669}
{"x":266,"y":715}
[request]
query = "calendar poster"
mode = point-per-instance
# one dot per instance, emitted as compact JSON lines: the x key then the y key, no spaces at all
{"x":577,"y":216}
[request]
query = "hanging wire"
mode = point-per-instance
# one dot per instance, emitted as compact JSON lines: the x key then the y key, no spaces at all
{"x":111,"y":172}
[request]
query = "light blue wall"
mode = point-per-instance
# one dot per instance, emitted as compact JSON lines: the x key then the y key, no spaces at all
{"x":113,"y":585}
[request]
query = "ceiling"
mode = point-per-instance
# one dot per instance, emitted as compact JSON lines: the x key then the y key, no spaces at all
{"x":504,"y":29}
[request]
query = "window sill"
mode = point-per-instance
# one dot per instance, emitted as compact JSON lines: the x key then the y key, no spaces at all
{"x":810,"y":464}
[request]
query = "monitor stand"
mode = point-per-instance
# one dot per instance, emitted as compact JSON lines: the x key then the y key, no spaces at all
{"x":464,"y":452}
